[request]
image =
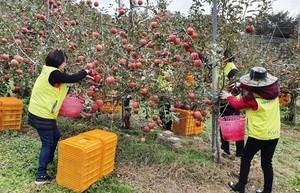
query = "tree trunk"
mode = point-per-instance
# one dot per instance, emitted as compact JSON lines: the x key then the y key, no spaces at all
{"x":126,"y":113}
{"x":292,"y":109}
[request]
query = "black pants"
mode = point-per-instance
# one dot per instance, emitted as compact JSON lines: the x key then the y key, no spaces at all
{"x":227,"y":110}
{"x":165,"y":110}
{"x":267,"y":149}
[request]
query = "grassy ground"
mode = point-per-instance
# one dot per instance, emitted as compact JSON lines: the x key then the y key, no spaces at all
{"x":148,"y":167}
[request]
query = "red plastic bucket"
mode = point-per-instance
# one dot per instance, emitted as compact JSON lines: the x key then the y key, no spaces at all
{"x":233,"y":127}
{"x":72,"y":106}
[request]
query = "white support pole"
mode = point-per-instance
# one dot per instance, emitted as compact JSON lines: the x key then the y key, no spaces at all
{"x":214,"y":86}
{"x":299,"y":31}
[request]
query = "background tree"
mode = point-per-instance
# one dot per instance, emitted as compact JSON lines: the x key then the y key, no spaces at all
{"x":277,"y":25}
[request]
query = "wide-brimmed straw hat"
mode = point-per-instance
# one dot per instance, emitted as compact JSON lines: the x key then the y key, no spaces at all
{"x":258,"y":77}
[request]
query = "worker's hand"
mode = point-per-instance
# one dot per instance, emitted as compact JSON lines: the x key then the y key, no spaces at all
{"x":90,"y":77}
{"x":224,"y":94}
{"x":234,"y":86}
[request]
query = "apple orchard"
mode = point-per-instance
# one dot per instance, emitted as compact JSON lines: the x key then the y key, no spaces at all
{"x":142,"y":53}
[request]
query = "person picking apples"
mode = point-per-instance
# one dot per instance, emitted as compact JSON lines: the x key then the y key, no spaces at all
{"x":230,"y":75}
{"x":47,"y":96}
{"x":261,"y":105}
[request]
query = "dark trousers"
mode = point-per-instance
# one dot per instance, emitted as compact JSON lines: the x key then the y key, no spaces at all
{"x":49,"y":138}
{"x":228,"y":110}
{"x":267,"y":149}
{"x":165,"y":110}
{"x":239,"y":145}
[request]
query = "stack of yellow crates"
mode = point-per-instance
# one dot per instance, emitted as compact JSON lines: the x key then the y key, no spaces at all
{"x":109,"y":141}
{"x":10,"y":113}
{"x":85,"y":158}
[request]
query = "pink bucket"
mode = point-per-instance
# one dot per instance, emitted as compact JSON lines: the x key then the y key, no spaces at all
{"x":72,"y":106}
{"x":233,"y":127}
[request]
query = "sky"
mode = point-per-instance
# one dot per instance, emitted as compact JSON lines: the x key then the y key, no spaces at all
{"x":293,"y":6}
{"x":183,"y":6}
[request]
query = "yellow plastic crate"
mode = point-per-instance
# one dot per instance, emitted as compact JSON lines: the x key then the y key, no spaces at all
{"x":114,"y":104}
{"x":79,"y":162}
{"x":10,"y":113}
{"x":284,"y":98}
{"x":186,"y":124}
{"x":109,"y":140}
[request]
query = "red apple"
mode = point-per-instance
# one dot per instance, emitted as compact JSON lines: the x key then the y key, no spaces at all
{"x":140,"y":2}
{"x":6,"y":77}
{"x":113,"y":30}
{"x":14,"y":62}
{"x":94,"y":107}
{"x":197,"y":63}
{"x":250,"y":29}
{"x":30,"y":71}
{"x":73,"y":22}
{"x":159,"y":122}
{"x":172,"y":38}
{"x":5,"y":56}
{"x":122,"y":33}
{"x":96,"y":3}
{"x":197,"y":114}
{"x":122,"y":61}
{"x":99,"y":102}
{"x":4,"y":40}
{"x":153,"y":24}
{"x":18,"y":58}
{"x":90,"y":93}
{"x":198,"y":123}
{"x":146,"y":129}
{"x":143,"y":42}
{"x":191,"y":96}
{"x":80,"y":58}
{"x":154,"y":117}
{"x":155,"y":98}
{"x":89,"y":66}
{"x":110,"y":111}
{"x":24,"y":30}
{"x":121,"y":11}
{"x":151,"y":45}
{"x":151,"y":125}
{"x":190,"y":31}
{"x":99,"y":48}
{"x":195,"y":55}
{"x":129,"y":47}
{"x":135,"y":105}
{"x":132,"y":85}
{"x":177,"y":105}
{"x":110,"y":80}
{"x":17,"y":89}
{"x":177,"y":57}
{"x":19,"y":72}
{"x":95,"y":35}
{"x":144,"y":91}
{"x":87,"y":115}
{"x":97,"y":78}
{"x":124,"y":41}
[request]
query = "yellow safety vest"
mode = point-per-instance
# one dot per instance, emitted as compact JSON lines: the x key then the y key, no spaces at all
{"x":229,"y":66}
{"x":46,"y":100}
{"x":264,"y":123}
{"x":163,"y":84}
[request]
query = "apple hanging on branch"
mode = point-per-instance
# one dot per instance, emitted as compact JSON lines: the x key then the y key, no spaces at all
{"x":250,"y":29}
